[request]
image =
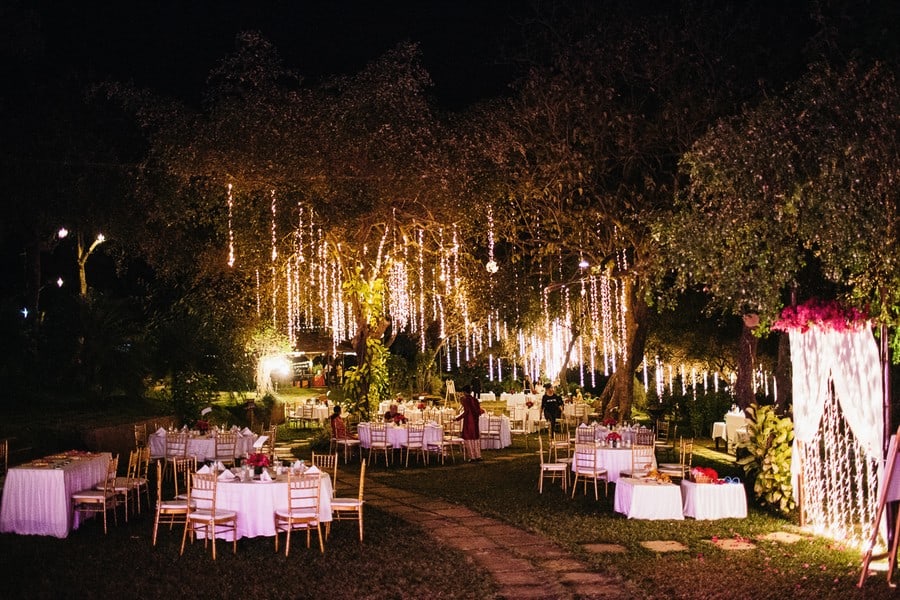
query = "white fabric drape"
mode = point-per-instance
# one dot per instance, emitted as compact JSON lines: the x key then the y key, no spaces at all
{"x":850,"y":360}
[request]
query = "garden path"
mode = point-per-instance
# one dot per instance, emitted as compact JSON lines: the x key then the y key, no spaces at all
{"x":524,"y":565}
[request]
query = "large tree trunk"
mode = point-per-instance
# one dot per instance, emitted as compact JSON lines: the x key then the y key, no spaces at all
{"x":783,"y":384}
{"x":618,"y":395}
{"x":746,"y":362}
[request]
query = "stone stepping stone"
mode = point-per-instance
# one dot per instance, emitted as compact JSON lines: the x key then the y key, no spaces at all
{"x":733,"y":544}
{"x":605,"y":548}
{"x":783,"y":537}
{"x":664,"y":546}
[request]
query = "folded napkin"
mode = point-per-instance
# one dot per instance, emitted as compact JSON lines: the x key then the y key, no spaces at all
{"x":226,"y":475}
{"x":220,"y":465}
{"x":246,"y":431}
{"x":260,"y":441}
{"x":265,"y":476}
{"x":161,"y":431}
{"x":313,"y":469}
{"x":583,"y":425}
{"x":297,"y":464}
{"x":204,"y":470}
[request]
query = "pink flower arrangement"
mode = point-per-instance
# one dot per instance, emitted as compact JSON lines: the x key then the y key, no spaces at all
{"x":258,"y":459}
{"x":827,"y":314}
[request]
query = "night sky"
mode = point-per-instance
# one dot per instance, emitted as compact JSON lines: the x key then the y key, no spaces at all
{"x":170,"y":46}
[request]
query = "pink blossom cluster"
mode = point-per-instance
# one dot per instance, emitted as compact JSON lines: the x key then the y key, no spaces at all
{"x":827,"y":314}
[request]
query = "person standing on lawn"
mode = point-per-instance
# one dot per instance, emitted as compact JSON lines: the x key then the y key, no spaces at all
{"x":470,"y":434}
{"x":551,"y":406}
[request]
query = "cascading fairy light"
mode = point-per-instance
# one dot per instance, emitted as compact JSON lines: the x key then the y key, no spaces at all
{"x":622,"y":337}
{"x":289,"y":292}
{"x":258,"y":299}
{"x":273,"y":267}
{"x":659,"y":375}
{"x":683,"y":382}
{"x":491,"y":265}
{"x":421,"y":240}
{"x":839,"y":482}
{"x":646,"y":380}
{"x":607,"y":320}
{"x":230,"y":228}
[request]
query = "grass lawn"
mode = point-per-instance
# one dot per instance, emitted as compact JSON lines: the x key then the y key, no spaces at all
{"x":400,"y":561}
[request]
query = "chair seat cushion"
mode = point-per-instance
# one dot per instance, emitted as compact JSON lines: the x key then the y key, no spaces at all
{"x":344,"y":503}
{"x":174,"y":505}
{"x":298,"y":513}
{"x":92,"y":495}
{"x":206,"y":515}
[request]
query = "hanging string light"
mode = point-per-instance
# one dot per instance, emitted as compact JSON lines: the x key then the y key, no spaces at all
{"x":230,"y":228}
{"x":491,"y":265}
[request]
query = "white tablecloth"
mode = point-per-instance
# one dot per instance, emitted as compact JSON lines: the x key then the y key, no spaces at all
{"x":487,"y":397}
{"x":397,"y":436}
{"x":713,"y":501}
{"x":505,"y":437}
{"x":256,"y":503}
{"x":718,"y":430}
{"x":519,"y":399}
{"x":38,"y":501}
{"x":735,"y":427}
{"x":615,"y":460}
{"x":203,"y":448}
{"x":639,"y":499}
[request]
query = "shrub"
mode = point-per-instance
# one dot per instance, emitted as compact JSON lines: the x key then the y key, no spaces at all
{"x":769,"y":461}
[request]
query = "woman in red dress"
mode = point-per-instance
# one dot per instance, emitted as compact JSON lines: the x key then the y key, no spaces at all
{"x":471,"y":412}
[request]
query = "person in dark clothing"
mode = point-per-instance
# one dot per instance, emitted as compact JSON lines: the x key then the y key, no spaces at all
{"x":551,"y":406}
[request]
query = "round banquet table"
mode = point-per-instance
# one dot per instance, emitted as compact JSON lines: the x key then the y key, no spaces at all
{"x":203,"y":447}
{"x":397,"y":435}
{"x":256,"y":502}
{"x":614,"y":460}
{"x":505,"y":437}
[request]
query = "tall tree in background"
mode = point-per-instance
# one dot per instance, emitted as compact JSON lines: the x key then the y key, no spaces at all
{"x":593,"y":137}
{"x":800,"y":189}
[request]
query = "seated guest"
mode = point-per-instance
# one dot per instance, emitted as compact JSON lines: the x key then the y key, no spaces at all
{"x":392,"y":413}
{"x":338,"y":428}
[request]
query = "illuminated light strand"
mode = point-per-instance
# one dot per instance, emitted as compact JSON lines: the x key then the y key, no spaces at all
{"x":607,"y":326}
{"x":230,"y":228}
{"x":421,"y":235}
{"x":258,"y":299}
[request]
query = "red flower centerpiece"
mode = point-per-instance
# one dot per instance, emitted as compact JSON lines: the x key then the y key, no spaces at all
{"x":257,"y":460}
{"x":529,"y":404}
{"x":202,"y":426}
{"x":421,"y":406}
{"x":609,"y":422}
{"x":613,"y":439}
{"x":399,"y":419}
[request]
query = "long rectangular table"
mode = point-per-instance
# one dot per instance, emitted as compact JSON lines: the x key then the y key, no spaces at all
{"x":643,"y":499}
{"x":37,"y":495}
{"x":713,"y":501}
